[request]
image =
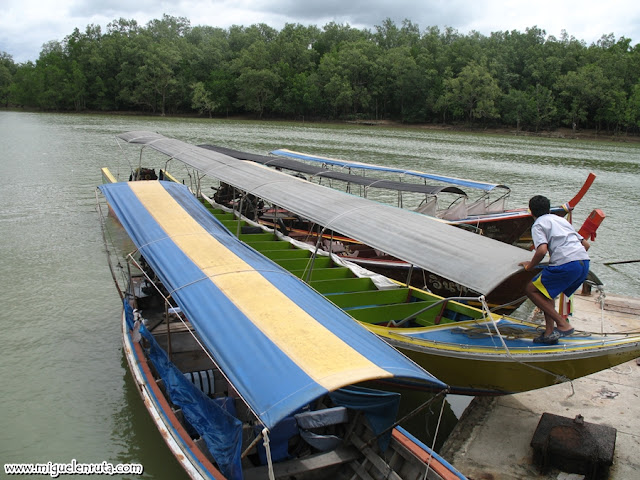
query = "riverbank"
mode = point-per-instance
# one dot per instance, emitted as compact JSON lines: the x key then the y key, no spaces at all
{"x":493,"y":438}
{"x":561,"y":133}
{"x":566,"y":133}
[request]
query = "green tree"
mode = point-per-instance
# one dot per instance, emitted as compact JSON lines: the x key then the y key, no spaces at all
{"x":25,"y":89}
{"x":256,"y":89}
{"x":583,"y":92}
{"x":52,"y":75}
{"x":475,"y":92}
{"x":201,"y":99}
{"x":528,"y":78}
{"x":257,"y":84}
{"x":222,"y":89}
{"x":292,"y":60}
{"x":156,"y":77}
{"x":7,"y":71}
{"x":545,"y":108}
{"x":334,"y":35}
{"x":518,"y":108}
{"x":632,"y":112}
{"x":402,"y":86}
{"x":350,"y":76}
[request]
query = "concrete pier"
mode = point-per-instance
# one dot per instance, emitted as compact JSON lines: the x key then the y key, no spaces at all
{"x":492,"y":439}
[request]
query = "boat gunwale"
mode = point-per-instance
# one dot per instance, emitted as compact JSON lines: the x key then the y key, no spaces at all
{"x":542,"y":353}
{"x":497,"y":351}
{"x":172,"y":431}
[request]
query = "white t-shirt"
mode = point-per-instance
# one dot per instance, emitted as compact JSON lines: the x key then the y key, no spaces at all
{"x":562,"y":240}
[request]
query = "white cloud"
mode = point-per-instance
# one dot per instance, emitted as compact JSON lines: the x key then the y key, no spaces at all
{"x":25,"y":25}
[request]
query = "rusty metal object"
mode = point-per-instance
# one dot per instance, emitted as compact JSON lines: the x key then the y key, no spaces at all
{"x":573,"y":445}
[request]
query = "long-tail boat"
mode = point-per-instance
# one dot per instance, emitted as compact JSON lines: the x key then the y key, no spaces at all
{"x":473,"y":350}
{"x":247,"y":372}
{"x":485,"y":217}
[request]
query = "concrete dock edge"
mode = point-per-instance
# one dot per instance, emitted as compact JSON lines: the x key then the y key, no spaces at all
{"x":491,"y":440}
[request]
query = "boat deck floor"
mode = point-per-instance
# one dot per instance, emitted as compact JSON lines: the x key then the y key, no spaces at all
{"x":492,"y":439}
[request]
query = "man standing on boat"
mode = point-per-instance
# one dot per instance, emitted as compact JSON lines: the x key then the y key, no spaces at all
{"x":567,"y":270}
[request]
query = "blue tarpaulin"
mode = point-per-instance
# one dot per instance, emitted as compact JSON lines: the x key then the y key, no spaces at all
{"x":221,"y":431}
{"x":280,"y":343}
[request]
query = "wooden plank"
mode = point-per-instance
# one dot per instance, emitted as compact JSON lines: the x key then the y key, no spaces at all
{"x":298,"y":466}
{"x":257,"y":237}
{"x":379,"y":463}
{"x":614,"y":307}
{"x":373,"y":297}
{"x":271,"y":244}
{"x":285,"y":254}
{"x":386,"y":313}
{"x":305,"y":263}
{"x":341,"y":285}
{"x":324,"y":273}
{"x":622,"y":305}
{"x":175,"y":327}
{"x":360,"y":469}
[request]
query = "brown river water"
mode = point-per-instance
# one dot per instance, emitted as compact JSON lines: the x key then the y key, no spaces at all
{"x":66,"y":392}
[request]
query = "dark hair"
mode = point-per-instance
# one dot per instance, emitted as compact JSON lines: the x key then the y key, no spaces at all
{"x":539,"y":206}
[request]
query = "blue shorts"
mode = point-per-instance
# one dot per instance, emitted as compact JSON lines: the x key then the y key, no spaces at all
{"x":565,"y":278}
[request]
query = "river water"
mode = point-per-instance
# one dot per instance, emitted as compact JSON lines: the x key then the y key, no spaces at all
{"x":66,"y":393}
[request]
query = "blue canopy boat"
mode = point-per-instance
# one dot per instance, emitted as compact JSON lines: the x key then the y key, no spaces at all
{"x":461,"y":182}
{"x":246,"y":370}
{"x":486,"y":215}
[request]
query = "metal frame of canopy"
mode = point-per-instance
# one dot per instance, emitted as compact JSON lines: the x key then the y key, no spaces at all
{"x":301,"y":167}
{"x":403,"y":171}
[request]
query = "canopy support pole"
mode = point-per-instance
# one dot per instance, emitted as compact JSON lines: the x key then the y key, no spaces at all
{"x":429,"y":307}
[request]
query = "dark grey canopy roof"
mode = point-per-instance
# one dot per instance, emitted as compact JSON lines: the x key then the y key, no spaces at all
{"x":301,"y":167}
{"x":472,"y":260}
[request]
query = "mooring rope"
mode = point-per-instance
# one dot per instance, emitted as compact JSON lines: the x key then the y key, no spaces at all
{"x":435,"y":436}
{"x":600,"y":299}
{"x":265,"y":435}
{"x":559,"y":378}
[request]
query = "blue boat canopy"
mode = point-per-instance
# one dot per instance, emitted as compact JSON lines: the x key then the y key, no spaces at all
{"x":322,"y":172}
{"x":280,"y":343}
{"x":368,"y":166}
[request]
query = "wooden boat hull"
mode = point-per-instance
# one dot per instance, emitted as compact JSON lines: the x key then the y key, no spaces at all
{"x":192,"y":460}
{"x":471,"y":370}
{"x":504,"y":299}
{"x":506,"y":229}
{"x":206,"y":418}
{"x":464,"y":363}
{"x":408,"y":449}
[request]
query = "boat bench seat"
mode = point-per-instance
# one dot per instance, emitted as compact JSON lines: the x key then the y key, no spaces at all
{"x":309,"y":421}
{"x":205,"y":381}
{"x":308,"y":425}
{"x":301,"y":466}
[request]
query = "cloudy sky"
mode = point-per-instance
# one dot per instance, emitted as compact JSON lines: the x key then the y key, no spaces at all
{"x":25,"y":25}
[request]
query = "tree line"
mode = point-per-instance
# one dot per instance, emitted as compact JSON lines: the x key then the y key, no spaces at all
{"x":398,"y":72}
